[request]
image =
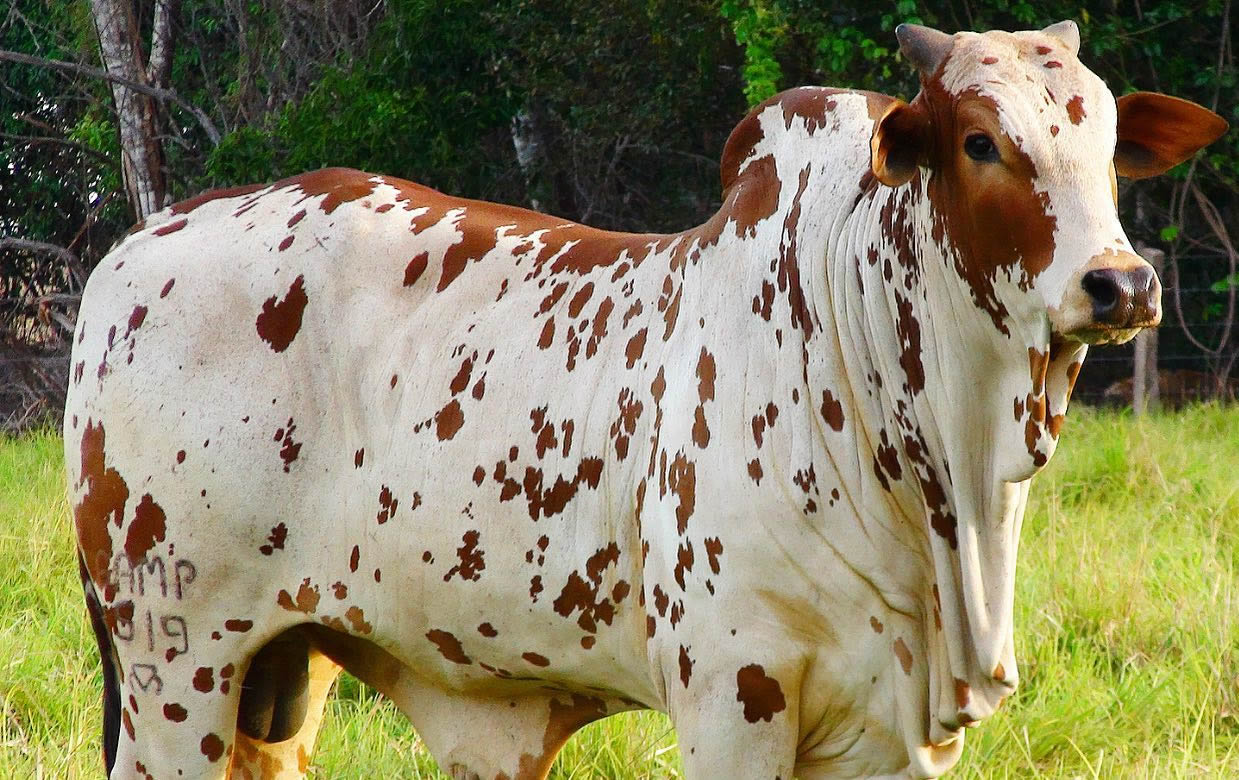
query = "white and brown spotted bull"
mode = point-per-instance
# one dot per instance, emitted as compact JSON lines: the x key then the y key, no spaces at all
{"x":766,"y":475}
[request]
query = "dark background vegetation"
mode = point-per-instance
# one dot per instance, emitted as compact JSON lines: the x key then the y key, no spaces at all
{"x":619,"y":111}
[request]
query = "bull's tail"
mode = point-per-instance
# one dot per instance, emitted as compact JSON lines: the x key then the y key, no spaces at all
{"x":107,"y":654}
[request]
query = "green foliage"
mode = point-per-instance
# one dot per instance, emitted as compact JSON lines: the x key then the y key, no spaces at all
{"x":758,"y":27}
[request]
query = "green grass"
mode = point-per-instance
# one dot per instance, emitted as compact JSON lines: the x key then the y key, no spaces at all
{"x":1127,"y":604}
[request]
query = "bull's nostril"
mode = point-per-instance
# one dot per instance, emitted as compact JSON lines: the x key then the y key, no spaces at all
{"x":1103,"y":289}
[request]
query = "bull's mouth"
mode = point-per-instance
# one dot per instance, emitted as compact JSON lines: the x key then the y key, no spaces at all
{"x":1094,"y":335}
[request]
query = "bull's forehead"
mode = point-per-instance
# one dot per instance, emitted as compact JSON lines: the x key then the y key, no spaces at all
{"x":1056,"y":110}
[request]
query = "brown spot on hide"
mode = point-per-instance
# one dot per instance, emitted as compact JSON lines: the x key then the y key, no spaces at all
{"x":188,"y":205}
{"x":128,"y":721}
{"x":448,"y":420}
{"x":306,"y":601}
{"x":757,"y":197}
{"x":295,"y":218}
{"x":171,"y":227}
{"x":357,"y":618}
{"x":174,"y":712}
{"x":359,"y":457}
{"x":105,"y":498}
{"x":449,"y":646}
{"x":636,"y":347}
{"x":280,"y":320}
{"x":212,"y":747}
{"x":275,"y":540}
{"x":136,"y":318}
{"x":876,"y":624}
{"x":761,"y":695}
{"x":682,"y":479}
{"x":714,"y":548}
{"x":1053,"y":131}
{"x":471,"y":558}
{"x":204,"y":679}
{"x":354,"y":558}
{"x":487,"y":630}
{"x":832,"y":411}
{"x":755,"y":472}
{"x":989,"y":61}
{"x":536,"y":659}
{"x":286,"y":243}
{"x":339,"y":185}
{"x":686,"y":666}
{"x":1075,"y":110}
{"x":1043,"y":50}
{"x":1053,"y":64}
{"x":238,"y":625}
{"x":962,"y":693}
{"x":148,"y":527}
{"x":416,"y":267}
{"x":904,"y":655}
{"x":684,"y":562}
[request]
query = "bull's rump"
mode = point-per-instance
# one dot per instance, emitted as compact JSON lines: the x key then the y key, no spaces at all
{"x":334,"y":434}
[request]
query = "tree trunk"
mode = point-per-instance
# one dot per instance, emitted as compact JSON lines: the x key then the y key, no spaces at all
{"x":137,"y":115}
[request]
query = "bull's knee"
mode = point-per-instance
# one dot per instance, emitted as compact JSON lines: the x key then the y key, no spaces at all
{"x":275,"y":693}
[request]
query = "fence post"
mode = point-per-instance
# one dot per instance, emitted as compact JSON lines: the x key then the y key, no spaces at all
{"x":1145,"y":384}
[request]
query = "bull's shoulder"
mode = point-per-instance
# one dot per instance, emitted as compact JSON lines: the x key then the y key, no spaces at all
{"x":815,"y":107}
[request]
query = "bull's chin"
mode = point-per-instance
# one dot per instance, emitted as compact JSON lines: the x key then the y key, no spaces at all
{"x":1100,"y":334}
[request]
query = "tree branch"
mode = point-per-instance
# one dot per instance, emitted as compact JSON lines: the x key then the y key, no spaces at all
{"x":67,"y":257}
{"x":158,"y":93}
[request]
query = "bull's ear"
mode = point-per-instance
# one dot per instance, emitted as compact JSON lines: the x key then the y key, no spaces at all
{"x":899,"y":143}
{"x":1157,"y":132}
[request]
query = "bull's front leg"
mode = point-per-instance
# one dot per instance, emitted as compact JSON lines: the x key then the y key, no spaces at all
{"x":734,"y":718}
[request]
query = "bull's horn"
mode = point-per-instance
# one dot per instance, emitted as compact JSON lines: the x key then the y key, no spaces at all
{"x":1067,"y":32}
{"x":924,"y":47}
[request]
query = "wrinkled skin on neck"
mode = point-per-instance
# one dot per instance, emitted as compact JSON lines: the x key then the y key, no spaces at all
{"x":958,"y":383}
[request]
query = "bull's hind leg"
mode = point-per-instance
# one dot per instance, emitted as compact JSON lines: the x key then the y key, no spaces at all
{"x":285,"y":692}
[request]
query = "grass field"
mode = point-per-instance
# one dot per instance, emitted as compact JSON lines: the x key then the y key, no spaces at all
{"x":1126,"y":611}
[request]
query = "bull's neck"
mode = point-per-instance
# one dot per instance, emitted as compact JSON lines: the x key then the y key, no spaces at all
{"x":926,"y":386}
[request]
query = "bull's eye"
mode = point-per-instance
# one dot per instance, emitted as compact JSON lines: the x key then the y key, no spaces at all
{"x":981,"y":148}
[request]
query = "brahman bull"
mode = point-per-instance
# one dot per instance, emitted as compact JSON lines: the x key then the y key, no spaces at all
{"x":766,"y":475}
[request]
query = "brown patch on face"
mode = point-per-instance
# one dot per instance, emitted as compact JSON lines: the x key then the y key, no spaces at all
{"x":992,"y":214}
{"x":105,"y":498}
{"x":1075,"y":110}
{"x":449,"y":646}
{"x":536,"y":659}
{"x":686,"y":666}
{"x":904,"y":654}
{"x":761,"y":695}
{"x":448,"y":420}
{"x":212,"y":747}
{"x":416,"y":267}
{"x":306,"y":601}
{"x":280,"y":320}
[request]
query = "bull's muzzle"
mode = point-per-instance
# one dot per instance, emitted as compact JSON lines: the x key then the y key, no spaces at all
{"x":1124,"y":298}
